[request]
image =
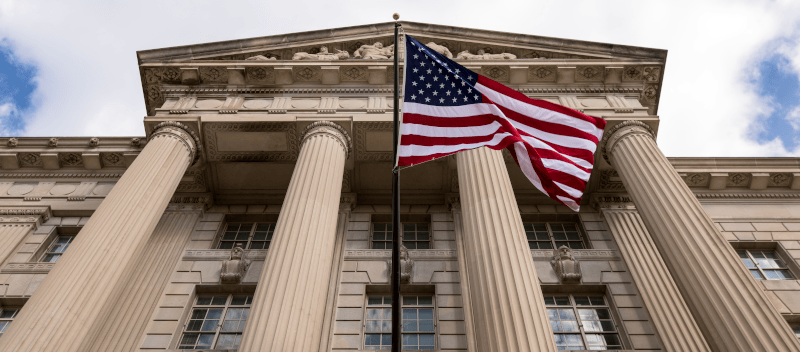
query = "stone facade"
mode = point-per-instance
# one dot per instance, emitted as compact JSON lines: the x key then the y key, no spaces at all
{"x":282,"y":145}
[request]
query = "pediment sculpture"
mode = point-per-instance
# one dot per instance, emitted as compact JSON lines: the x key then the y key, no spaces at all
{"x":482,"y":55}
{"x":262,"y":58}
{"x":406,"y":266}
{"x":374,"y":52}
{"x":440,"y":49}
{"x":323,"y":54}
{"x":234,"y":269}
{"x":567,"y":268}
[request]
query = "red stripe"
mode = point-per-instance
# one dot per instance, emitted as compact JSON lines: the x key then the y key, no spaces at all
{"x":412,"y":139}
{"x":548,"y":127}
{"x":466,"y":121}
{"x":573,"y":152}
{"x":598,"y":122}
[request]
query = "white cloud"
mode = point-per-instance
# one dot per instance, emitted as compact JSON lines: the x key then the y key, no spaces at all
{"x":89,"y":84}
{"x":6,"y":110}
{"x":794,"y":118}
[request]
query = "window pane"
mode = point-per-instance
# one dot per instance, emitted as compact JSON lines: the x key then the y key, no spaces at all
{"x":51,"y":258}
{"x":425,"y":300}
{"x":756,"y":274}
{"x":374,"y":300}
{"x":409,"y":300}
{"x":219,"y":300}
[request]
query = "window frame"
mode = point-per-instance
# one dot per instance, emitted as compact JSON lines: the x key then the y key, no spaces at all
{"x":759,"y":269}
{"x":251,"y":233}
{"x":364,"y":331}
{"x":46,"y":249}
{"x":218,"y":331}
{"x":548,"y":224}
{"x":403,"y":226}
{"x":613,"y":317}
{"x":8,"y":320}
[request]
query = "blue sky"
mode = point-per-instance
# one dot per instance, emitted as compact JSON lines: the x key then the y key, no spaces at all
{"x":780,"y":85}
{"x":68,"y":68}
{"x":16,"y":90}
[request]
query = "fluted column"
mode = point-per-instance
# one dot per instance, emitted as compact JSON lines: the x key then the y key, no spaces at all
{"x":507,"y":304}
{"x":124,"y":318}
{"x":70,"y":299}
{"x":289,"y":303}
{"x":670,"y":315}
{"x":729,"y":306}
{"x":455,"y":210}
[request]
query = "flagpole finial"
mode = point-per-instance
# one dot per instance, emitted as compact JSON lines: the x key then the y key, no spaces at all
{"x":396,"y":16}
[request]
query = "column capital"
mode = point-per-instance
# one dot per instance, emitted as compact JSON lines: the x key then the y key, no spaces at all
{"x":619,"y":132}
{"x":330,"y":129}
{"x":183,"y":133}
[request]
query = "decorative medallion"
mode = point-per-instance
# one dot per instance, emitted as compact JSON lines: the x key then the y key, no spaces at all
{"x":307,"y":73}
{"x":738,"y":179}
{"x":30,"y":159}
{"x":541,"y":74}
{"x":652,"y":74}
{"x":589,"y":73}
{"x":20,"y":189}
{"x":260,"y":74}
{"x":213,"y":74}
{"x":497,"y":73}
{"x":112,"y":159}
{"x":780,"y":179}
{"x":697,"y":179}
{"x":632,"y":73}
{"x":70,"y":159}
{"x":353,"y":73}
{"x":650,"y":93}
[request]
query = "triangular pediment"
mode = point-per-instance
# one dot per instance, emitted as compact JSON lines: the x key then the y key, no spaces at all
{"x":349,"y":39}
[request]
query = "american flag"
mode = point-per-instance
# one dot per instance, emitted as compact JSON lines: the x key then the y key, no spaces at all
{"x":448,"y":108}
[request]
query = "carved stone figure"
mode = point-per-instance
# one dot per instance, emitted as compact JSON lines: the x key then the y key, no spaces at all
{"x":94,"y":141}
{"x":482,"y":55}
{"x":262,"y":58}
{"x":440,"y":49}
{"x":374,"y":52}
{"x":406,"y":266}
{"x":12,"y":142}
{"x":53,"y":142}
{"x":234,"y":269}
{"x":323,"y":54}
{"x":566,"y":266}
{"x":136,"y":141}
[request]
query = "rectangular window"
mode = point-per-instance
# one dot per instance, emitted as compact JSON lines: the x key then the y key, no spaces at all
{"x":418,"y":323}
{"x":582,"y":322}
{"x":415,"y":236}
{"x":765,"y":265}
{"x":249,"y":235}
{"x":56,"y":249}
{"x":796,"y":330}
{"x":548,"y":235}
{"x":216,"y":322}
{"x":6,"y":316}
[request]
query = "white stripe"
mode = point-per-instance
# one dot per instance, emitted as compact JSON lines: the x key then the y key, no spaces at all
{"x":451,"y":132}
{"x":570,"y":203}
{"x":452,"y":111}
{"x":569,"y":190}
{"x":539,"y":113}
{"x":535,"y":143}
{"x":491,"y":109}
{"x":422,"y":150}
{"x":526,"y":166}
{"x":565,"y":167}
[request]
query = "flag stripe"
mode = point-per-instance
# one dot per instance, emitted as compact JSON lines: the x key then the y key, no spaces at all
{"x":448,"y":108}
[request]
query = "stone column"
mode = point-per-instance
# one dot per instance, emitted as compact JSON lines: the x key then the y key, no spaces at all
{"x":70,"y":299}
{"x":729,"y":306}
{"x":671,"y":316}
{"x":507,"y":304}
{"x":123,"y":320}
{"x":463,"y":271}
{"x":289,"y":303}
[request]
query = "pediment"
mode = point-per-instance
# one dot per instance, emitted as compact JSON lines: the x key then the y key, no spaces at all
{"x":349,"y":39}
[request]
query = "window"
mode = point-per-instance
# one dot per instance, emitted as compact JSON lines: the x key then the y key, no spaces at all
{"x":250,"y":235}
{"x":582,"y":322}
{"x":415,"y":236}
{"x":216,"y":321}
{"x":6,"y":316}
{"x":796,"y":330}
{"x":765,"y":265}
{"x":418,"y":323}
{"x":548,"y":235}
{"x":56,"y":249}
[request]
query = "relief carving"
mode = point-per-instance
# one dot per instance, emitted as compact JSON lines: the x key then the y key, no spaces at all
{"x":406,"y":266}
{"x":94,"y":142}
{"x":323,"y":54}
{"x":374,"y":52}
{"x":440,"y":49}
{"x":567,"y":268}
{"x":12,"y":142}
{"x":482,"y":55}
{"x":697,"y":179}
{"x":262,"y":58}
{"x":234,"y":269}
{"x":52,"y":142}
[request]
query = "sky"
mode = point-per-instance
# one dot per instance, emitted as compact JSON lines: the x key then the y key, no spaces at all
{"x":731,"y":84}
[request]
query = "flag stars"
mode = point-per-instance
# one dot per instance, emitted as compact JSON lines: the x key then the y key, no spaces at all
{"x":414,"y":83}
{"x":429,"y":71}
{"x":454,"y":84}
{"x":428,"y":85}
{"x":455,"y":100}
{"x":413,"y":97}
{"x":427,"y":100}
{"x":415,"y":70}
{"x":435,"y":93}
{"x":435,"y":78}
{"x":421,"y":78}
{"x":441,"y":100}
{"x":465,"y":99}
{"x":448,"y":93}
{"x":476,"y":97}
{"x":421,"y":92}
{"x":416,"y":56}
{"x":469,"y":90}
{"x":459,"y":92}
{"x":441,"y":85}
{"x":422,"y":64}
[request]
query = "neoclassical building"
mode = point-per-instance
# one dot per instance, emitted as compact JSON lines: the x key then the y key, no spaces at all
{"x":254,"y":215}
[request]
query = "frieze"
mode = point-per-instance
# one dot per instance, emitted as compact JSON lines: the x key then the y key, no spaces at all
{"x":27,"y":268}
{"x":497,"y":73}
{"x":60,"y":175}
{"x":353,"y":74}
{"x":610,"y":181}
{"x":70,"y":159}
{"x":222,"y":254}
{"x":361,"y":129}
{"x":541,"y":74}
{"x":420,"y":254}
{"x":747,"y":195}
{"x":214,"y":154}
{"x":30,"y":159}
{"x":589,"y":73}
{"x":198,"y":183}
{"x":580,"y":254}
{"x":738,"y":179}
{"x":44,"y":212}
{"x":112,"y":159}
{"x":780,"y":179}
{"x":264,"y":75}
{"x":696,"y":179}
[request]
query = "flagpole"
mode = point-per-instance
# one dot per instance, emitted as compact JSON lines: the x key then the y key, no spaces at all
{"x":396,"y":243}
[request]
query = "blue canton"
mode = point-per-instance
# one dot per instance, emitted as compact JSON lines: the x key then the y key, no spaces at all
{"x":433,"y":79}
